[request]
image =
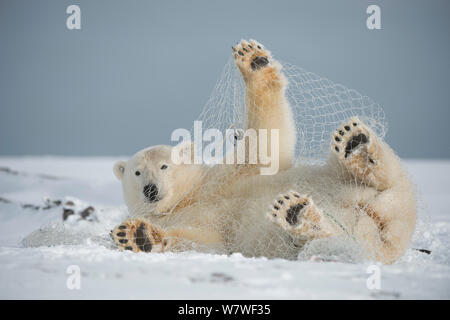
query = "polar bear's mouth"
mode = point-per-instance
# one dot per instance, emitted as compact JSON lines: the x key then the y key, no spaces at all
{"x":151,"y":193}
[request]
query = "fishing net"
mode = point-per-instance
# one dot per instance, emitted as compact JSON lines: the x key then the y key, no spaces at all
{"x":335,"y":182}
{"x":254,"y":218}
{"x":319,"y":107}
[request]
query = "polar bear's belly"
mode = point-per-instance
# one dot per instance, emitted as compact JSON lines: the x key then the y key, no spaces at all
{"x":252,"y":233}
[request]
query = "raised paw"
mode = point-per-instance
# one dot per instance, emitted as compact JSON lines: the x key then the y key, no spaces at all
{"x":251,"y":56}
{"x":299,"y":215}
{"x":363,"y":154}
{"x":139,"y":235}
{"x":353,"y":142}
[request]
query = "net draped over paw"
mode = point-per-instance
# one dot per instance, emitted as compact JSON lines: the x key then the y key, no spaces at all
{"x":319,"y":105}
{"x":342,"y":174}
{"x":329,"y":200}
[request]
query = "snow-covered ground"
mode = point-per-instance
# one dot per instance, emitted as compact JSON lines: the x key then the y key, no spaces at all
{"x":36,"y":270}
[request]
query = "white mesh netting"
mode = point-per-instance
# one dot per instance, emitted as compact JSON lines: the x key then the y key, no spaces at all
{"x":319,"y":105}
{"x":342,"y":171}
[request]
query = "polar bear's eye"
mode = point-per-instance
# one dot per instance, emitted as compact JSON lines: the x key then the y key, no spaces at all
{"x":164,"y":167}
{"x":137,"y":173}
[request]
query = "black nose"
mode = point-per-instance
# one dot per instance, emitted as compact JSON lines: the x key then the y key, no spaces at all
{"x":151,"y":192}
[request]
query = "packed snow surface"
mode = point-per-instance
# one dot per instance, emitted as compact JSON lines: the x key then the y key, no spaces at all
{"x":37,"y":248}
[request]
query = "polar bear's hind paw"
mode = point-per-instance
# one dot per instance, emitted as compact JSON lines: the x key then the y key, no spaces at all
{"x":349,"y":138}
{"x":355,"y":142}
{"x":298,"y":215}
{"x":359,"y":150}
{"x":138,"y":235}
{"x":294,"y":213}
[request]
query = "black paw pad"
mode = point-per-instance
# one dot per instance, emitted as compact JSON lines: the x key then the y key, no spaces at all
{"x":293,"y":214}
{"x":355,"y":142}
{"x":259,"y":62}
{"x":141,"y":239}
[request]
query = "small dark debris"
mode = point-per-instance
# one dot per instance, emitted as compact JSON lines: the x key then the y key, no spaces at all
{"x":67,"y":213}
{"x":30,"y":206}
{"x":87,"y":212}
{"x":9,"y":171}
{"x":215,"y":277}
{"x":423,"y":251}
{"x":220,"y":277}
{"x":4,"y":200}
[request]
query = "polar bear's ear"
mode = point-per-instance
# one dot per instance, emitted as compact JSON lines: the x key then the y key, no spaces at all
{"x":119,"y":169}
{"x":183,"y":153}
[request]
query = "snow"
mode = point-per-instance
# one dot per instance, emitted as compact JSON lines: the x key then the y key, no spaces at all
{"x":30,"y":268}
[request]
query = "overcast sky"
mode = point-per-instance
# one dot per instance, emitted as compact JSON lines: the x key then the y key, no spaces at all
{"x":139,"y":69}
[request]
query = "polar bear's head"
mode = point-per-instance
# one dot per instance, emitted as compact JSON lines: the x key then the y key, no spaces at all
{"x":152,"y":183}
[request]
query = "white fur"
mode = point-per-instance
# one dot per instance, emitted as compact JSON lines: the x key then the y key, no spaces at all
{"x":224,"y":208}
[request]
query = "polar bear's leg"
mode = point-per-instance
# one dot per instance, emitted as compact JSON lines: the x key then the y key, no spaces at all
{"x":266,"y":104}
{"x":393,"y":212}
{"x":298,"y":215}
{"x":372,"y":163}
{"x":140,"y":235}
{"x":365,"y":156}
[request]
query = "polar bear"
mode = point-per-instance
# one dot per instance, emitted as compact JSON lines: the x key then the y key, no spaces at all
{"x":361,"y":191}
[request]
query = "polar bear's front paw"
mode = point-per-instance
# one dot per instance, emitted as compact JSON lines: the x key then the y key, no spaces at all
{"x":299,"y":215}
{"x":251,"y":56}
{"x":139,"y":235}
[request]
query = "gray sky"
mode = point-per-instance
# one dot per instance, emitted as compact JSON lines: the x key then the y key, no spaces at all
{"x":139,"y":69}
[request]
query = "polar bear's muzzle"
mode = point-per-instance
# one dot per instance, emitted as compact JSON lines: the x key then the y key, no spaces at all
{"x":151,"y":192}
